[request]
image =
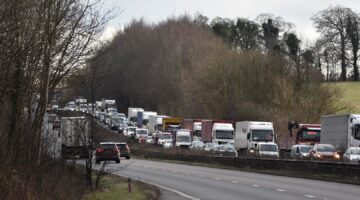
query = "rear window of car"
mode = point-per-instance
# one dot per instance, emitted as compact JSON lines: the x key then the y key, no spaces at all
{"x":121,"y":146}
{"x":107,"y":146}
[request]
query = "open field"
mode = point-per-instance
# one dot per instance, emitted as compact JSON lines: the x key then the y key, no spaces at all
{"x":351,"y":95}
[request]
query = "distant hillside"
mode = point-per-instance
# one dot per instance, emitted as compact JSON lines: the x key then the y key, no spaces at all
{"x":351,"y":94}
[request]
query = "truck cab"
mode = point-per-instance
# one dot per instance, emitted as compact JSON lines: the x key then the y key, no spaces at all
{"x":250,"y":133}
{"x":223,"y":133}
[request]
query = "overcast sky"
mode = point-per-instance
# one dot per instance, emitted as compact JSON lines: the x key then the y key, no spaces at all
{"x":297,"y":12}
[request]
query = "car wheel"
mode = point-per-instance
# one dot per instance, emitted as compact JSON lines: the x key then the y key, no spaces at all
{"x":117,"y":161}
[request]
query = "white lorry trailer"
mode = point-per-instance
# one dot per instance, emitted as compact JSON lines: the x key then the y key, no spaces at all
{"x":155,"y":123}
{"x":132,"y":115}
{"x":74,"y":134}
{"x":342,"y":131}
{"x":250,"y":133}
{"x":146,"y":116}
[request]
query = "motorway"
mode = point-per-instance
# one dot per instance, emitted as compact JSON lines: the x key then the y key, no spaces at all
{"x":179,"y":181}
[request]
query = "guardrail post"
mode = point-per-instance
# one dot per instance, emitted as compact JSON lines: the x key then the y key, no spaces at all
{"x":129,"y":185}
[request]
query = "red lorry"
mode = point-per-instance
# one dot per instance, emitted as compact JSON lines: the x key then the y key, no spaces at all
{"x":300,"y":134}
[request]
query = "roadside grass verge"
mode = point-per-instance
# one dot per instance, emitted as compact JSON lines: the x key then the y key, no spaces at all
{"x":114,"y":187}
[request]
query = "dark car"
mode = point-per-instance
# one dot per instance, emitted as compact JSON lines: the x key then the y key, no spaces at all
{"x":124,"y":150}
{"x":107,"y":151}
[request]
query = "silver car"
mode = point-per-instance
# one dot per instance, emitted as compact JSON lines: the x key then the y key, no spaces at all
{"x":300,"y":151}
{"x":352,"y":155}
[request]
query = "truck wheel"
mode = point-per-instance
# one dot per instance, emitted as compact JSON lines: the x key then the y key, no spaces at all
{"x":117,"y":161}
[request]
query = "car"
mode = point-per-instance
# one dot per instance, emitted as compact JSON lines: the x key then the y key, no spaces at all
{"x":150,"y":139}
{"x":352,"y":155}
{"x":124,"y":150}
{"x":210,"y":146}
{"x":227,"y":150}
{"x":130,"y":131}
{"x":167,"y":144}
{"x":324,"y":152}
{"x":300,"y":151}
{"x":267,"y":149}
{"x":55,"y":107}
{"x":197,"y":145}
{"x":141,"y":134}
{"x":107,"y":151}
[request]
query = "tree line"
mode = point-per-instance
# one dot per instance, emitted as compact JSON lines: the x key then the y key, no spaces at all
{"x":41,"y":42}
{"x":181,"y":67}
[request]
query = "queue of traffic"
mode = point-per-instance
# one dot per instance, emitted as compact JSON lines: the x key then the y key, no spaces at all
{"x":336,"y":138}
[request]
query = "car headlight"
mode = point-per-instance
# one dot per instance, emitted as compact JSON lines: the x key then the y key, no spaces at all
{"x":318,"y":155}
{"x":337,"y":156}
{"x":251,"y":151}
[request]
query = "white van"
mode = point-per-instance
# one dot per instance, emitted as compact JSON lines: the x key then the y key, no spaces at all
{"x":267,"y":149}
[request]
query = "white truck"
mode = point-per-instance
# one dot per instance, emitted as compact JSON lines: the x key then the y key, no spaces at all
{"x":146,"y":116}
{"x":342,"y":131}
{"x":183,"y":138}
{"x":155,"y":123}
{"x":217,"y":131}
{"x":108,"y":103}
{"x":250,"y":133}
{"x":132,"y":115}
{"x":74,"y":134}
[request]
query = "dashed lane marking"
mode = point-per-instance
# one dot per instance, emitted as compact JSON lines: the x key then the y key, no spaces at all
{"x":280,"y":190}
{"x":309,"y":196}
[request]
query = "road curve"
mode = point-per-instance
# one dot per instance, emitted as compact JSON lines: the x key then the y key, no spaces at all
{"x":195,"y":182}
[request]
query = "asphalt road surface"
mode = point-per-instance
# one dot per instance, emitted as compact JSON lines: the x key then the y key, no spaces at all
{"x":178,"y":181}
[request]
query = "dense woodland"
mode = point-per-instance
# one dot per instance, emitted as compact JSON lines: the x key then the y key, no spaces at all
{"x":193,"y":67}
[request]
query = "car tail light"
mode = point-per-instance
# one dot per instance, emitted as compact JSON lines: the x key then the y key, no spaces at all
{"x":98,"y":150}
{"x":116,"y":150}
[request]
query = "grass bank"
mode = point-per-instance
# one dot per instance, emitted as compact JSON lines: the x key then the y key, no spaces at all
{"x":351,"y":95}
{"x":113,"y":187}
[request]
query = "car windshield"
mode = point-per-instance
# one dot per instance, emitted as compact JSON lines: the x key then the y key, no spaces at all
{"x":121,"y":146}
{"x":116,"y":120}
{"x":107,"y":146}
{"x":305,"y":149}
{"x":268,"y":147}
{"x":183,"y":139}
{"x":222,"y":134}
{"x":326,"y":148}
{"x":132,"y":129}
{"x":355,"y":151}
{"x":141,"y":132}
{"x":164,"y":136}
{"x":262,"y":135}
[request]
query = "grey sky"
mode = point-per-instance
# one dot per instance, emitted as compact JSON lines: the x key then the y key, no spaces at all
{"x":297,"y":12}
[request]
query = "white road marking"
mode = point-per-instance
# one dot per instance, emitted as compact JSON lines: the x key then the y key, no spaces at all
{"x":234,"y":181}
{"x":216,"y":178}
{"x":280,"y":190}
{"x":166,"y":188}
{"x":256,"y":185}
{"x":309,"y":196}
